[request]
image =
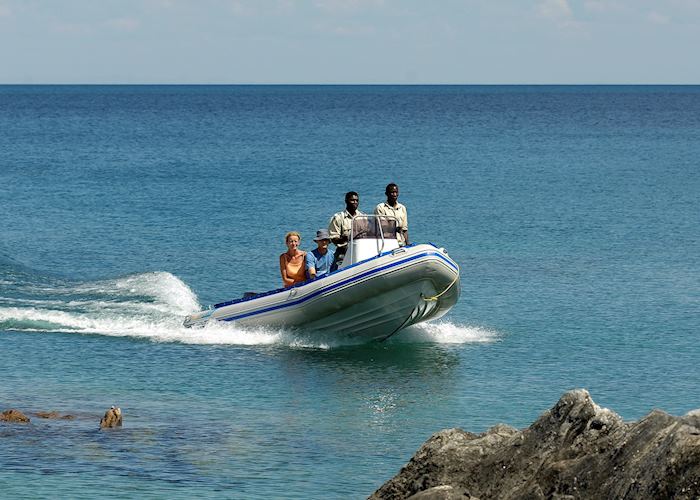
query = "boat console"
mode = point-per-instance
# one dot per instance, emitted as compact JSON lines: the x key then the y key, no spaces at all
{"x":370,"y":236}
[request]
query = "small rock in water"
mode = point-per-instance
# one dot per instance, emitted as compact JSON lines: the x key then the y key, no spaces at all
{"x":13,"y":415}
{"x":53,"y":415}
{"x":46,"y":414}
{"x":112,"y":418}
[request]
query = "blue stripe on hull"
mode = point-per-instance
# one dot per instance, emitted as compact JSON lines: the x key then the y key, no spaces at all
{"x":339,"y":284}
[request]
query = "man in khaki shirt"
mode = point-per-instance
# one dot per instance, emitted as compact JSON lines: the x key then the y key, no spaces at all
{"x":392,"y":207}
{"x":341,"y":225}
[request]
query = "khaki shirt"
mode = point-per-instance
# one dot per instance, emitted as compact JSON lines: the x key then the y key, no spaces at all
{"x":399,"y":211}
{"x":341,"y":224}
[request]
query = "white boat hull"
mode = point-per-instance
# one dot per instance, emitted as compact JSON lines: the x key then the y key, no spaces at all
{"x":370,"y":300}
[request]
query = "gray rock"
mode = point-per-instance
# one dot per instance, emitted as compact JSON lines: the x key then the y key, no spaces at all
{"x":444,"y":492}
{"x":575,"y":450}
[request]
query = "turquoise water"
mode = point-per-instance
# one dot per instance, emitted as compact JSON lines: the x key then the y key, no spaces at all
{"x":573,"y":212}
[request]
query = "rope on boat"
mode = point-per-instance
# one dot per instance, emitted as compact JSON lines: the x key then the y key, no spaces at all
{"x":400,"y":326}
{"x":435,"y":297}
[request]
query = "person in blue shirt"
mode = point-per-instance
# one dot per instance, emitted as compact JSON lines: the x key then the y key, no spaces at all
{"x":319,"y":260}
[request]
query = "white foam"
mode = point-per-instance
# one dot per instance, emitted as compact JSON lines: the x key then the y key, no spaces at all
{"x":164,"y":287}
{"x":149,"y":304}
{"x":446,"y":332}
{"x":168,"y":328}
{"x":227,"y":333}
{"x":153,"y":306}
{"x":155,"y":328}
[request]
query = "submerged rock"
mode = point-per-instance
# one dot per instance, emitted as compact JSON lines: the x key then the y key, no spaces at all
{"x":112,"y":418}
{"x":13,"y":415}
{"x":575,"y":450}
{"x":53,"y":415}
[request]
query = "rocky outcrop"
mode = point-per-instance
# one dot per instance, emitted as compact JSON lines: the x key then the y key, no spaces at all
{"x":575,"y":450}
{"x":13,"y":415}
{"x":112,"y":418}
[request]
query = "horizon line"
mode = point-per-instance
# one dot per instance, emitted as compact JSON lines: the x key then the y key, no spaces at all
{"x":5,"y":84}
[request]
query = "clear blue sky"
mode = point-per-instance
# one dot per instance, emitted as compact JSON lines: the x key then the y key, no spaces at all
{"x":349,"y":41}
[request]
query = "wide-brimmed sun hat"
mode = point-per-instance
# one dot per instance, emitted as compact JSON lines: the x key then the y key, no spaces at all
{"x":322,"y":234}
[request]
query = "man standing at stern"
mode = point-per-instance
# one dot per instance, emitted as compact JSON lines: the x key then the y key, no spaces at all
{"x":341,"y":225}
{"x":393,"y":208}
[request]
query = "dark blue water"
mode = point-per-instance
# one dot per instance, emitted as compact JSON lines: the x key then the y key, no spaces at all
{"x":573,"y":211}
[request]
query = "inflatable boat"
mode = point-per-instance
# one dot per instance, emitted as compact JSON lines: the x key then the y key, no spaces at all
{"x":379,"y":289}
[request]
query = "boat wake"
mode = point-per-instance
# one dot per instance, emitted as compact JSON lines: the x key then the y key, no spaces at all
{"x":151,"y":306}
{"x":140,"y":305}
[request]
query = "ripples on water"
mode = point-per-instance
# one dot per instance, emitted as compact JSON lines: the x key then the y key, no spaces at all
{"x":193,"y":396}
{"x":572,"y":212}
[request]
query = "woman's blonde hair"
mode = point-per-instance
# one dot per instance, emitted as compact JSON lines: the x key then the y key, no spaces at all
{"x":290,"y":234}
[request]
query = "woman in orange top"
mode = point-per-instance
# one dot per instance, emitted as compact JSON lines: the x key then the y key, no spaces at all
{"x":293,"y":261}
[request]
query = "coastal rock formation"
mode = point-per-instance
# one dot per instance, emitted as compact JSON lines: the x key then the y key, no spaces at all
{"x":112,"y":418}
{"x":13,"y":415}
{"x":575,"y":450}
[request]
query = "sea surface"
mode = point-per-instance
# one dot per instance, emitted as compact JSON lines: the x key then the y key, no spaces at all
{"x":573,"y":211}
